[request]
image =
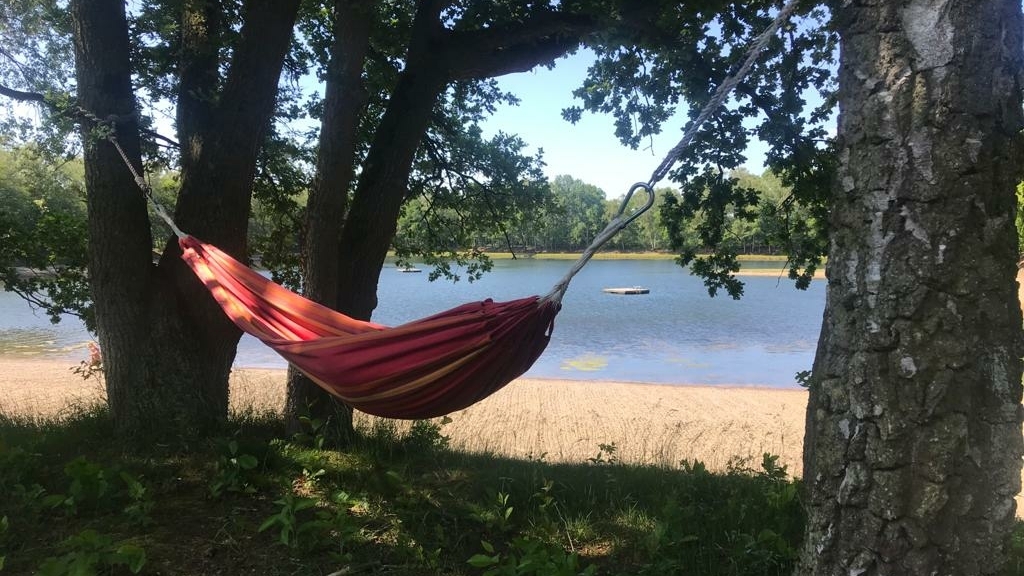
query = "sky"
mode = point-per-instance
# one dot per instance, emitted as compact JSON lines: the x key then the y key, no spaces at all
{"x":587,"y":150}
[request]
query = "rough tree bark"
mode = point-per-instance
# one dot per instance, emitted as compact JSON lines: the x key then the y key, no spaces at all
{"x":913,"y":447}
{"x":167,"y":346}
{"x":120,"y":242}
{"x":344,"y":102}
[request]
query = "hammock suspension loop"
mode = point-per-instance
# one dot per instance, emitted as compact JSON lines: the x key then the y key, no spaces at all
{"x":639,"y":211}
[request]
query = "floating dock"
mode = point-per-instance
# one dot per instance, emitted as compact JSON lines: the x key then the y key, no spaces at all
{"x":633,"y":290}
{"x":408,"y":269}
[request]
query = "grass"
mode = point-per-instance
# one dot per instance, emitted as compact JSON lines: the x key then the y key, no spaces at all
{"x":253,"y":501}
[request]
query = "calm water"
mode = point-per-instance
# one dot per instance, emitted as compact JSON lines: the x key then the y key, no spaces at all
{"x":674,"y":335}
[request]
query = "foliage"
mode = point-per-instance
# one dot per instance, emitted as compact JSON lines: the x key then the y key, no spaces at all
{"x":325,"y":527}
{"x":526,"y":557}
{"x":1019,"y":219}
{"x":425,"y":436}
{"x":87,"y":552}
{"x":93,"y":489}
{"x":380,"y":502}
{"x":233,"y":470}
{"x":639,"y":78}
{"x":43,"y":235}
{"x":5,"y":525}
{"x":1015,"y":548}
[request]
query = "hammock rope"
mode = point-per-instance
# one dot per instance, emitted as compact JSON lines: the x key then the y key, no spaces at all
{"x":427,"y":367}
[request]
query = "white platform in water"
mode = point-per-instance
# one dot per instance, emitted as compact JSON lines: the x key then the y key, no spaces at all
{"x":409,"y":269}
{"x":633,"y":290}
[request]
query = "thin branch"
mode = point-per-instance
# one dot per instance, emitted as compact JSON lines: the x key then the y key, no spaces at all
{"x":39,"y":98}
{"x":22,"y":96}
{"x":157,"y":136}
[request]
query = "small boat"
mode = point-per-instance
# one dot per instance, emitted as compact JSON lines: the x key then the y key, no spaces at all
{"x":633,"y":290}
{"x":409,"y":269}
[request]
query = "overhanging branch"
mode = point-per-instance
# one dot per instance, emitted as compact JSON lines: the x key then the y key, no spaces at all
{"x":516,"y":48}
{"x":37,"y":98}
{"x":22,"y":96}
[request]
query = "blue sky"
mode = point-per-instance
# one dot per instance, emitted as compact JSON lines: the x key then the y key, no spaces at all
{"x":587,"y":150}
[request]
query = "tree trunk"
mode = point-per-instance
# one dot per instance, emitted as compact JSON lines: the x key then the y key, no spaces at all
{"x":167,"y":346}
{"x":344,"y":101}
{"x":913,"y":446}
{"x":120,"y":253}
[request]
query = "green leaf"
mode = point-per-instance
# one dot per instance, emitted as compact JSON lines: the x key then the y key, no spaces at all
{"x":482,"y":561}
{"x":247,"y":462}
{"x":268,"y":523}
{"x":487,"y":546}
{"x":132,"y":556}
{"x":55,"y":500}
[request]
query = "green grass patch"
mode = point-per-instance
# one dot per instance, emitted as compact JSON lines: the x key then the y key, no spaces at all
{"x":256,"y":501}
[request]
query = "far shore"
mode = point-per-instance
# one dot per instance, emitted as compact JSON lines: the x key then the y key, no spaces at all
{"x":780,"y":270}
{"x":553,"y":420}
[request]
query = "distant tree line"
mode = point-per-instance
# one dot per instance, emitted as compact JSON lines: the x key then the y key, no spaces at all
{"x":565,"y":216}
{"x":573,"y":212}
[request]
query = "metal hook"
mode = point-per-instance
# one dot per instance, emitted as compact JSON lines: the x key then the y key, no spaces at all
{"x":629,"y":195}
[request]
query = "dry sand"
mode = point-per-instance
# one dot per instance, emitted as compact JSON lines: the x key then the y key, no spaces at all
{"x":561,"y":420}
{"x":564,"y":420}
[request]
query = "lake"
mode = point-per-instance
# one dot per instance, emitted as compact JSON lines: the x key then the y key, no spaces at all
{"x":674,"y":335}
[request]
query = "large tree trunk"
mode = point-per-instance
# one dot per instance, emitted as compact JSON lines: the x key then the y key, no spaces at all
{"x":344,"y":102}
{"x":167,"y":346}
{"x":373,"y":217}
{"x":913,"y":446}
{"x":120,"y":253}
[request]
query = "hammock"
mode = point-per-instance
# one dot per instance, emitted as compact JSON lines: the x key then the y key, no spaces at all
{"x":428,"y":367}
{"x":422,"y":369}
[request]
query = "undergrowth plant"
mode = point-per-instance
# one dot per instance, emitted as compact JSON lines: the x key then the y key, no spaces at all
{"x":90,"y":552}
{"x":529,"y":557}
{"x":232,"y":471}
{"x":328,"y":525}
{"x":93,"y":489}
{"x":421,"y":508}
{"x":4,"y":527}
{"x":427,"y":437}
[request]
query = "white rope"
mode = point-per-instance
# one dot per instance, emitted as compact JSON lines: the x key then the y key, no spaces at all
{"x":720,"y":94}
{"x":147,"y":190}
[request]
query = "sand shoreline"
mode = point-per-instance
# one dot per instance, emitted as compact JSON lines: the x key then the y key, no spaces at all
{"x":649,"y":423}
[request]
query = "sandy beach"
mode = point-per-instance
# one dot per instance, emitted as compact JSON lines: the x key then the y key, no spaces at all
{"x":559,"y":420}
{"x":565,"y":420}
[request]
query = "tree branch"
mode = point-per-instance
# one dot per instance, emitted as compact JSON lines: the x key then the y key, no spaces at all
{"x":493,"y":52}
{"x":38,"y":98}
{"x":22,"y":96}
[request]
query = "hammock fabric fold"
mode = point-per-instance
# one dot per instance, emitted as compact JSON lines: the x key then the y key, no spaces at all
{"x":422,"y":369}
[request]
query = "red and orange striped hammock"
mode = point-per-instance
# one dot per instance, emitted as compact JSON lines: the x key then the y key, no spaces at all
{"x":422,"y":369}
